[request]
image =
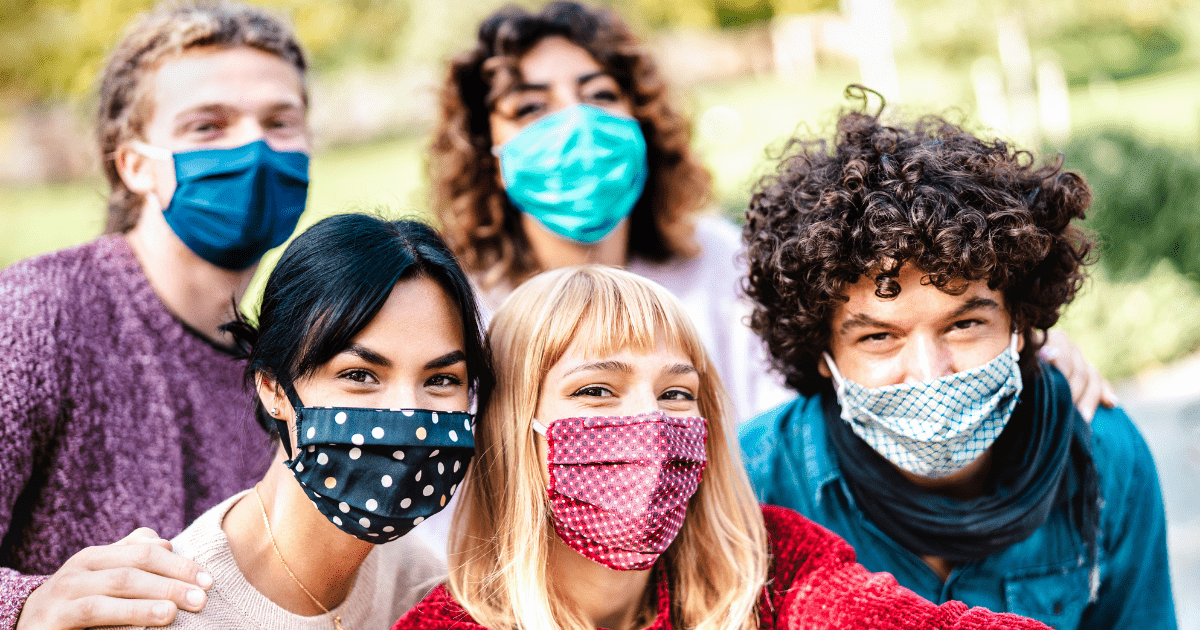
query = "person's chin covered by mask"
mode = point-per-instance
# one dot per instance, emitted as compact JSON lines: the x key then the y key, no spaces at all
{"x":904,"y":280}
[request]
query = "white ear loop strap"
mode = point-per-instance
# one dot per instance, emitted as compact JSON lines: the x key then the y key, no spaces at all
{"x":539,"y":427}
{"x":837,"y":376}
{"x":151,"y":151}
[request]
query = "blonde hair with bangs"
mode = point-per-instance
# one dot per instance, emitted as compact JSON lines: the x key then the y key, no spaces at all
{"x":501,"y":536}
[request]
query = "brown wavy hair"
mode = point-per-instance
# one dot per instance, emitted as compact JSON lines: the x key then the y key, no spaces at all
{"x":168,"y":31}
{"x":929,"y":194}
{"x":478,"y":220}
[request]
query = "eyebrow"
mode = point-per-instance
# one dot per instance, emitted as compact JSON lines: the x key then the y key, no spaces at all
{"x":446,"y":360}
{"x":680,"y":369}
{"x":602,"y":366}
{"x":973,"y":304}
{"x":368,"y":355}
{"x":580,"y":81}
{"x":224,"y":108}
{"x":862,"y":320}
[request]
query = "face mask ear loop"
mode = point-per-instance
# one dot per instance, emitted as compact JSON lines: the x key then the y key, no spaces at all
{"x":282,"y":425}
{"x":538,"y":427}
{"x":151,"y":151}
{"x":1013,"y":346}
{"x":837,"y":376}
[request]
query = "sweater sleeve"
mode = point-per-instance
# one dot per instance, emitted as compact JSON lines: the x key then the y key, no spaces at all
{"x":819,"y":586}
{"x":30,"y":387}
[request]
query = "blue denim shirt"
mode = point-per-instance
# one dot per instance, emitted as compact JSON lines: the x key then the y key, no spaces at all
{"x":791,"y":463}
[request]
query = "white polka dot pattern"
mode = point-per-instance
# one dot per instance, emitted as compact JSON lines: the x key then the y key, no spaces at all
{"x":619,"y":486}
{"x":376,"y":472}
{"x":934,"y":428}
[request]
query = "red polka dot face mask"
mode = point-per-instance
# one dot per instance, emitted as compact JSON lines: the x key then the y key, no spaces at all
{"x":619,"y":486}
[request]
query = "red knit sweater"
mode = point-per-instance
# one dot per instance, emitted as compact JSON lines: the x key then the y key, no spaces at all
{"x":813,"y":583}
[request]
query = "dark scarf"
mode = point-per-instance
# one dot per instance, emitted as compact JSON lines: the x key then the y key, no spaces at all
{"x":1043,"y":452}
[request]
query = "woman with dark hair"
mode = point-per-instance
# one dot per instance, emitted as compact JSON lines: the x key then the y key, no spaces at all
{"x":366,"y":356}
{"x":557,"y":145}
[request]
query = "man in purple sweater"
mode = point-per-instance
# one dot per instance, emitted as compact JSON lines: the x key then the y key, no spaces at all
{"x":121,"y":401}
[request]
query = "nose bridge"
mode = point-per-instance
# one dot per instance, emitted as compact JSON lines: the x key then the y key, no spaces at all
{"x":249,"y":128}
{"x":405,"y":396}
{"x":564,"y":95}
{"x":925,"y":358}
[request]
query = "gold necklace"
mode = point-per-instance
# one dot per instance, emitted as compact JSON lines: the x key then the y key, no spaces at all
{"x":337,"y":620}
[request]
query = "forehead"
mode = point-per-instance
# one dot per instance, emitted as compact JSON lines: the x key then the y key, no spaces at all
{"x":240,"y":77}
{"x":555,"y":59}
{"x":918,"y":301}
{"x":417,"y":313}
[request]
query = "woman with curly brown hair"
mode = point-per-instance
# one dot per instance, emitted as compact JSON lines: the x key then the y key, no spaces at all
{"x":904,"y":277}
{"x":558,"y":145}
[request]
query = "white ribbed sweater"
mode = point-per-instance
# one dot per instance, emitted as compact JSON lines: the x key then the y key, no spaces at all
{"x":391,"y":580}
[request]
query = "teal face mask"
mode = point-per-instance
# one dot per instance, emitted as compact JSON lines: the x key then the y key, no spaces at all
{"x":578,"y":171}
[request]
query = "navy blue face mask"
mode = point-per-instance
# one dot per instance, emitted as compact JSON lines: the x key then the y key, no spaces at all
{"x":377,"y":473}
{"x":232,"y":205}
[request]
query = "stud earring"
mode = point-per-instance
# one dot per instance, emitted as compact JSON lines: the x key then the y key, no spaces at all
{"x":274,"y":411}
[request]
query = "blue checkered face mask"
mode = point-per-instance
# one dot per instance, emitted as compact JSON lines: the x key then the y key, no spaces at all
{"x":937,"y":427}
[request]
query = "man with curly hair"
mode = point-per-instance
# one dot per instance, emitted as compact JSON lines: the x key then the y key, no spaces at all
{"x":904,"y":278}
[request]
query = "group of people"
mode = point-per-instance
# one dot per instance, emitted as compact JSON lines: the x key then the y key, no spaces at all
{"x":581,"y":402}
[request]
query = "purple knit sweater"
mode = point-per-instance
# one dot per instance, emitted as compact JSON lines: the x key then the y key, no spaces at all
{"x":113,"y":415}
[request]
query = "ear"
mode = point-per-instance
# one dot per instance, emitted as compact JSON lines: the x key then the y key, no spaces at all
{"x":136,"y":170}
{"x":276,"y":402}
{"x":823,"y":367}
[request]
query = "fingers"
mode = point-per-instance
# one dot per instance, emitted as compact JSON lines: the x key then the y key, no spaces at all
{"x":149,"y":557}
{"x":131,"y":583}
{"x":1087,"y":400}
{"x":99,"y":610}
{"x":1108,"y":397}
{"x":144,"y":535}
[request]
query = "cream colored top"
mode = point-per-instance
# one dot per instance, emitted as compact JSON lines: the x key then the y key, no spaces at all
{"x":392,"y":579}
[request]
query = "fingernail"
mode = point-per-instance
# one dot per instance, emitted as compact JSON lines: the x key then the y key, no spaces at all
{"x":195,"y":597}
{"x":161,"y":610}
{"x":203,"y":579}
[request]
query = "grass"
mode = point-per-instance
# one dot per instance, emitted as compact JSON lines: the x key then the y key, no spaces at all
{"x":1123,"y":327}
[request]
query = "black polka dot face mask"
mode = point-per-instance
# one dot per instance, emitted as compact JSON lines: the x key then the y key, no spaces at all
{"x":377,"y":473}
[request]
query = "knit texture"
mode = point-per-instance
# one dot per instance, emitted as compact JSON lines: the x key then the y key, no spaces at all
{"x":392,"y":578}
{"x":813,"y":584}
{"x":113,"y":415}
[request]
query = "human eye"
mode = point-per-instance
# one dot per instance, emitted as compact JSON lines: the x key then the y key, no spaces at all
{"x":593,"y":391}
{"x":443,"y":381}
{"x":360,"y":376}
{"x":604,"y":95}
{"x":964,"y":324}
{"x":878,"y":337}
{"x":677,"y":393}
{"x":528,"y":110}
{"x":204,"y":128}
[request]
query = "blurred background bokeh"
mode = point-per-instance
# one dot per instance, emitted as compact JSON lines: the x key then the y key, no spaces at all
{"x":1113,"y":85}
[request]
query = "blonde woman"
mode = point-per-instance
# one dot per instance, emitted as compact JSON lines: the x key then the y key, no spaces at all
{"x":605,"y":492}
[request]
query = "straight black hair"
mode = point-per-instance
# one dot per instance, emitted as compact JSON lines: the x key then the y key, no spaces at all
{"x":330,"y":284}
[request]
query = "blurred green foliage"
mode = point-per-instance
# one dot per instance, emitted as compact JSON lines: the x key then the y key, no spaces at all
{"x":1126,"y":326}
{"x":1147,"y":202}
{"x":1115,"y":49}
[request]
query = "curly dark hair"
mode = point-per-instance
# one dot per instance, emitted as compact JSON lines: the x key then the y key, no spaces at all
{"x":478,"y":220}
{"x":929,"y":193}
